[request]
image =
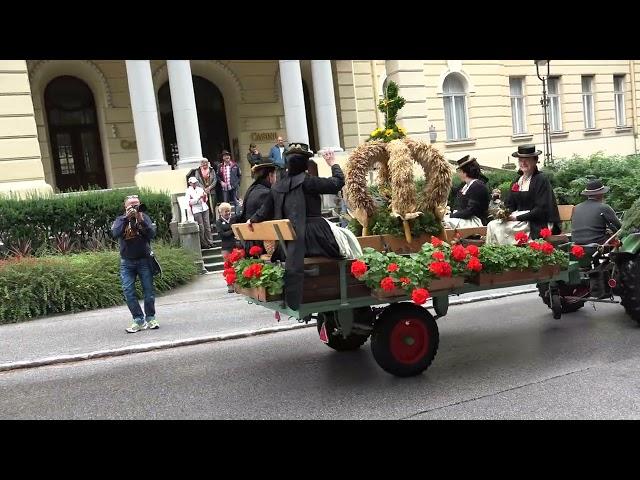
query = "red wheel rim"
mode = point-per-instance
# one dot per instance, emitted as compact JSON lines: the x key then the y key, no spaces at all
{"x":409,"y":341}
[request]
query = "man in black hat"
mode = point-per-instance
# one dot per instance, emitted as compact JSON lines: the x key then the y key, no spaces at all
{"x":298,"y":197}
{"x":531,"y":202}
{"x":592,"y":217}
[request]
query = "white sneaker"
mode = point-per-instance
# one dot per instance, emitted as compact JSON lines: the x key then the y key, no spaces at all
{"x":136,"y":327}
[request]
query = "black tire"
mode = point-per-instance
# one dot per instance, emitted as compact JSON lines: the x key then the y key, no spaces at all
{"x":405,"y":339}
{"x":338,"y":342}
{"x":565,"y":307}
{"x":630,"y":288}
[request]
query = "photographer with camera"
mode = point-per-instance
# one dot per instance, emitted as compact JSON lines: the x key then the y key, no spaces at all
{"x":134,"y":231}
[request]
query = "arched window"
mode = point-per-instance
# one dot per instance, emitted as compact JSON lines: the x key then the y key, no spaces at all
{"x":454,"y":95}
{"x":74,"y":134}
{"x":212,"y":121}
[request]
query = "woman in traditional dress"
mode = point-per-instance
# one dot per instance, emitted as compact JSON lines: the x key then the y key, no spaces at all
{"x":531,"y":203}
{"x":472,"y":200}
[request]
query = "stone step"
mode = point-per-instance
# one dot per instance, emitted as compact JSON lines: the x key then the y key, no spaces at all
{"x":210,"y":251}
{"x":214,"y":266}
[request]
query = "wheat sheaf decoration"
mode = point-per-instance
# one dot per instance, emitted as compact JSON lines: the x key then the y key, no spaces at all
{"x":396,"y":160}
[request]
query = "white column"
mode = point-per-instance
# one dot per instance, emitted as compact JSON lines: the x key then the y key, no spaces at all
{"x":145,"y":116}
{"x":326,"y":115}
{"x":185,"y":117}
{"x":293,"y":100}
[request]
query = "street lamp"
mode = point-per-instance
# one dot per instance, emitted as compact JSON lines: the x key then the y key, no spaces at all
{"x":548,"y":154}
{"x":433,"y":135}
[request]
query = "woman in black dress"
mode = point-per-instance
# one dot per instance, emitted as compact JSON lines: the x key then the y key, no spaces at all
{"x":531,"y":202}
{"x":472,"y":200}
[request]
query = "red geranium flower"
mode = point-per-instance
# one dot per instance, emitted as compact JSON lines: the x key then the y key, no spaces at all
{"x":459,"y":253}
{"x":436,"y":242}
{"x":474,"y":264}
{"x":515,"y":187}
{"x":420,"y":295}
{"x":438,"y":256}
{"x":393,"y":267}
{"x":547,"y":248}
{"x":440,"y":269}
{"x":236,"y":254}
{"x":255,"y":250}
{"x":473,"y":250}
{"x":535,"y":246}
{"x":230,"y":278}
{"x":545,"y":232}
{"x":577,"y":251}
{"x":405,"y":280}
{"x":387,"y":284}
{"x":521,"y":238}
{"x":358,"y":268}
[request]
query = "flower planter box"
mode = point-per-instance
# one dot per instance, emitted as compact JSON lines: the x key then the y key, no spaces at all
{"x":434,"y":286}
{"x":258,"y":293}
{"x":511,"y":276}
{"x":445,"y":284}
{"x":394,"y":244}
{"x":381,"y":294}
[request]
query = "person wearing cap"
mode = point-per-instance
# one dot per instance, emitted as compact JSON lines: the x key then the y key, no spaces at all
{"x":254,"y":156}
{"x":229,"y":174}
{"x":591,"y":218}
{"x":207,"y":179}
{"x":472,"y":200}
{"x":298,"y":197}
{"x":531,"y":202}
{"x":197,"y":198}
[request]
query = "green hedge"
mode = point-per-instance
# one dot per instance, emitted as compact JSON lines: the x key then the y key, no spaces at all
{"x":85,"y":217}
{"x":620,"y":173}
{"x":36,"y":286}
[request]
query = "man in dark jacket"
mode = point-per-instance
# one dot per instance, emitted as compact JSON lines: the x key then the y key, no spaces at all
{"x":134,"y":231}
{"x":229,"y":176}
{"x":591,"y":218}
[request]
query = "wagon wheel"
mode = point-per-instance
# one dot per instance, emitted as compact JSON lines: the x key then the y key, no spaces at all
{"x":336,"y":340}
{"x":405,"y":339}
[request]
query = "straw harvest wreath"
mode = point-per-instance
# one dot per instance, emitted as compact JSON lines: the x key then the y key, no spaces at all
{"x":396,"y":160}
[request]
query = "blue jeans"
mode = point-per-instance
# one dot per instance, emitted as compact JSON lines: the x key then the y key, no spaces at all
{"x":129,"y":269}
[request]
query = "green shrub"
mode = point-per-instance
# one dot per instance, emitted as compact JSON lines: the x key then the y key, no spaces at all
{"x":631,"y":221}
{"x":620,"y":173}
{"x":86,"y":217}
{"x":32,"y":287}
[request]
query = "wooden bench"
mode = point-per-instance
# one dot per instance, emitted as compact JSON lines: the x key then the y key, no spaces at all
{"x":321,"y":282}
{"x":566,"y":212}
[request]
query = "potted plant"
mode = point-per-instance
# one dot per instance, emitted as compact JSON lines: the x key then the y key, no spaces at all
{"x":253,"y":276}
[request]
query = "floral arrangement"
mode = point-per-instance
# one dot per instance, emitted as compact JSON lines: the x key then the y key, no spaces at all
{"x":526,"y":255}
{"x":252,"y":271}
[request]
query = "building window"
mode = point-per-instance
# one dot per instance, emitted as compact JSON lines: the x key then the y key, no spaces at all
{"x":618,"y":93}
{"x":587,"y":102}
{"x":518,"y":114}
{"x":555,"y":112}
{"x":455,"y":107}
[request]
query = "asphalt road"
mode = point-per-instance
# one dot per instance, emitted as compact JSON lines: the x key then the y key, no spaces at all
{"x":499,"y":359}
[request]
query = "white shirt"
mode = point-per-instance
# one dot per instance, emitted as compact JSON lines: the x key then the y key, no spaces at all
{"x":466,"y":187}
{"x":194,"y":197}
{"x":281,"y":152}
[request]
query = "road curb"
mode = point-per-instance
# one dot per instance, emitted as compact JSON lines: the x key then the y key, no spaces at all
{"x":148,"y":347}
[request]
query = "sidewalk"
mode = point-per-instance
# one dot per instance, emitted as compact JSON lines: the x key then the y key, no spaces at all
{"x":199,"y":312}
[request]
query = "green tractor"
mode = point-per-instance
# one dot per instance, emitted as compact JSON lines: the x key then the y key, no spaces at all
{"x":605,"y":271}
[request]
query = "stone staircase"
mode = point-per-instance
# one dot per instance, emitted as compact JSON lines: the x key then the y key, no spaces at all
{"x":212,"y":257}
